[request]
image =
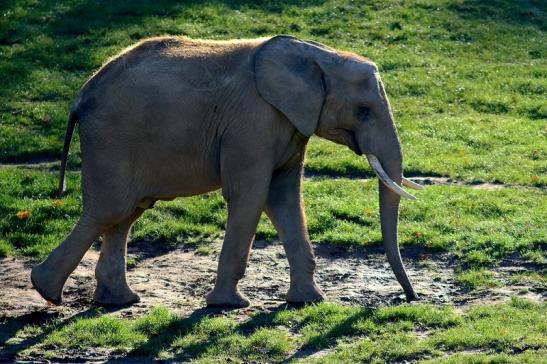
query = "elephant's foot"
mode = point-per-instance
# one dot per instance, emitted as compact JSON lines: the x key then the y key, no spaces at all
{"x":120,"y":295}
{"x":48,"y":287}
{"x":305,"y":293}
{"x":226,"y":298}
{"x":412,"y":296}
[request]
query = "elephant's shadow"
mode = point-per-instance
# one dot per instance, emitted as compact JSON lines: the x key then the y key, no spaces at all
{"x":9,"y":328}
{"x":167,"y":332}
{"x":264,"y":319}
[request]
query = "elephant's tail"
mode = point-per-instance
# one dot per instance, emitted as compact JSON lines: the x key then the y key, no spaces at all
{"x":72,"y":120}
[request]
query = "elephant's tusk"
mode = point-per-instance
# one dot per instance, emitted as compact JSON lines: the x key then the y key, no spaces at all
{"x":411,"y":184}
{"x":386,"y":180}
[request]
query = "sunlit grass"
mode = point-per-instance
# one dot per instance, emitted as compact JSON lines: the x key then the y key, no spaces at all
{"x":480,"y":227}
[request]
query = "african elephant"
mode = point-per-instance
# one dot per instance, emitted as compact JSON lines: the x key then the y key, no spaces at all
{"x":172,"y":116}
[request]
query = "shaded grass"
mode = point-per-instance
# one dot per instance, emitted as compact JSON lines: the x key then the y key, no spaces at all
{"x":491,"y":329}
{"x":352,"y":334}
{"x":498,"y":329}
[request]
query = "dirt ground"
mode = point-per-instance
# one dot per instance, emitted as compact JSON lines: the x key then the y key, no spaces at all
{"x":180,"y":278}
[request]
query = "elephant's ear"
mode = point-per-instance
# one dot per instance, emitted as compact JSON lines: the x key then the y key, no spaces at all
{"x":290,"y":79}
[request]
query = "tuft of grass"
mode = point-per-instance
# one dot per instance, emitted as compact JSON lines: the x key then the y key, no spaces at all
{"x":131,"y":262}
{"x":220,"y":340}
{"x":105,"y":332}
{"x":516,"y":326}
{"x":529,"y":278}
{"x":477,"y":278}
{"x":421,"y":315}
{"x":204,"y":250}
{"x":528,"y":357}
{"x":155,"y":322}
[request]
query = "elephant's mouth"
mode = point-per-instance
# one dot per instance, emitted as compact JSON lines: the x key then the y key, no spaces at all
{"x":342,"y":136}
{"x":354,"y":144}
{"x":349,"y":138}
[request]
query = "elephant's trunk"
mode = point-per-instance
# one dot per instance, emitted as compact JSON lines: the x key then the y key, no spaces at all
{"x":389,"y":218}
{"x":390,"y":196}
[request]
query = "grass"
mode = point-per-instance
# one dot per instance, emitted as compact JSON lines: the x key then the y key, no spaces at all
{"x":480,"y":227}
{"x":344,"y":334}
{"x":477,"y":278}
{"x":466,"y":108}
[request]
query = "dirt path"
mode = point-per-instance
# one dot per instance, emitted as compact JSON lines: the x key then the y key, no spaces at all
{"x":180,"y":279}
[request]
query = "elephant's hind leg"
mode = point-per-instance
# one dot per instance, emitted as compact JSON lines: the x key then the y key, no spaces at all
{"x":49,"y":277}
{"x":112,"y":288}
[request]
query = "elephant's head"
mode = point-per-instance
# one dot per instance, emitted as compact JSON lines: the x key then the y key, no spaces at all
{"x":340,"y":96}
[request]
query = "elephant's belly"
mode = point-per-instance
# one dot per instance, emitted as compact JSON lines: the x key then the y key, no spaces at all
{"x":188,"y":179}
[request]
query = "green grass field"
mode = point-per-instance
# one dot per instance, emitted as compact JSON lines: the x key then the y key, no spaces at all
{"x":514,"y":331}
{"x":467,"y":81}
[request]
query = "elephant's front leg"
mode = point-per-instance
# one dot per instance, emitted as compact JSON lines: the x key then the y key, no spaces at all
{"x":284,"y":208}
{"x":246,"y":198}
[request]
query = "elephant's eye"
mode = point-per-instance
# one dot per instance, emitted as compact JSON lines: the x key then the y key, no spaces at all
{"x":363,"y":113}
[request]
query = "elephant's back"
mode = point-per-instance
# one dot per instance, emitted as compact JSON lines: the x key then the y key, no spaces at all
{"x":166,"y":69}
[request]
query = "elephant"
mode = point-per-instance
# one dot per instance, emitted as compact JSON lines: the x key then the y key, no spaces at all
{"x":174,"y":116}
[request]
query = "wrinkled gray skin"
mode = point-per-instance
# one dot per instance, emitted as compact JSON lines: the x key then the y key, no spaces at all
{"x":176,"y":117}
